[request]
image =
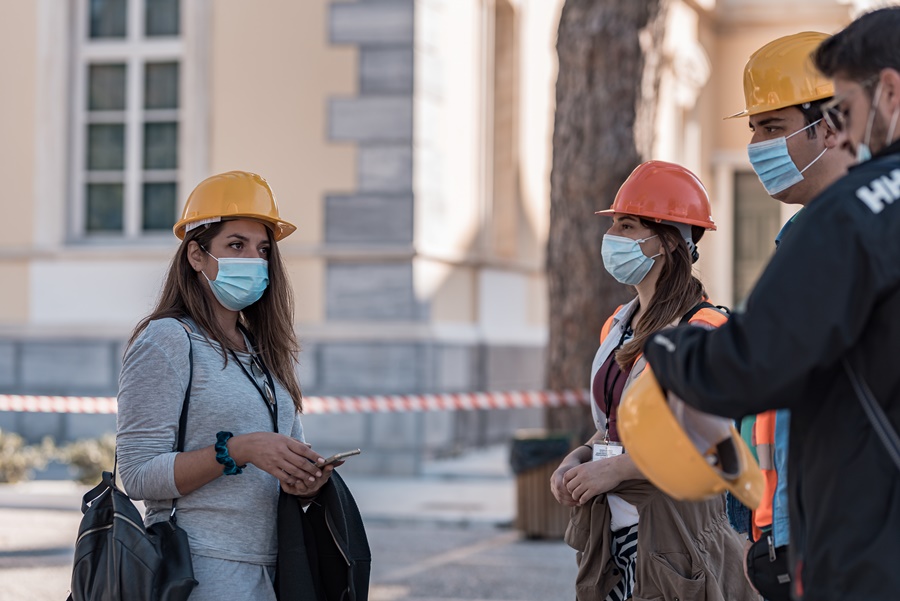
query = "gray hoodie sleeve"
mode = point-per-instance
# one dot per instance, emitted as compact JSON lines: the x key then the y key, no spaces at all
{"x":151,"y":391}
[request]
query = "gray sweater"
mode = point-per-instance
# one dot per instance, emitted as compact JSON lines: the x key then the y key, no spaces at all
{"x":232,"y":517}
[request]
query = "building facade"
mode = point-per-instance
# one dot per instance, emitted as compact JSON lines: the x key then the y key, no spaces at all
{"x":409,"y":140}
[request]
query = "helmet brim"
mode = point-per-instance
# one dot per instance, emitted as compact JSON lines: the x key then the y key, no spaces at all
{"x":280,"y":229}
{"x":659,"y":218}
{"x":756,"y":110}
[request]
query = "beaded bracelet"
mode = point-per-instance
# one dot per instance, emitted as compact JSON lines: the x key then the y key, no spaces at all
{"x":222,"y":456}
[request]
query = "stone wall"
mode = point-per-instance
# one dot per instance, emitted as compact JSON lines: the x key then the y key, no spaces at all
{"x":393,"y":442}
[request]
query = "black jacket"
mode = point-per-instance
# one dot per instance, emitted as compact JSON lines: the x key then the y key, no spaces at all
{"x":323,"y":553}
{"x":832,"y":291}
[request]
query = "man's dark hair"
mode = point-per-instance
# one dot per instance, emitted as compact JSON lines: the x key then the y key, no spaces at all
{"x":812,"y":112}
{"x":863,"y":48}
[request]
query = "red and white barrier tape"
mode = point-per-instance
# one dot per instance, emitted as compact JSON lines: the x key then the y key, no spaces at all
{"x":333,"y":404}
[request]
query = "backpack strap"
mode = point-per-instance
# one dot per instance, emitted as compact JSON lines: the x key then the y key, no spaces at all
{"x":704,"y":304}
{"x":182,"y":420}
{"x":880,"y":422}
{"x":98,"y":491}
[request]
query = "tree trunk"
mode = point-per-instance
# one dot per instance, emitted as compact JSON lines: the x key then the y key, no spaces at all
{"x":609,"y":63}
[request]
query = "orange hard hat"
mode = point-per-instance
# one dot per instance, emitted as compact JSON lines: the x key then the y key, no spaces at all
{"x":665,"y":447}
{"x":663,"y":191}
{"x":233,"y":195}
{"x":782,"y":74}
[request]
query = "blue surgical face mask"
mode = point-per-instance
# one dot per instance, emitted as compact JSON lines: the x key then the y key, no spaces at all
{"x":624,"y":259}
{"x":240,"y":282}
{"x":863,"y":153}
{"x":773,"y":163}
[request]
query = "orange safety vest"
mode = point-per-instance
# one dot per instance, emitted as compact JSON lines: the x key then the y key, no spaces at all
{"x":707,"y":315}
{"x":764,"y":441}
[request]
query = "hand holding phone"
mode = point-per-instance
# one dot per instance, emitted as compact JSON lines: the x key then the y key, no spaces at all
{"x":339,"y":457}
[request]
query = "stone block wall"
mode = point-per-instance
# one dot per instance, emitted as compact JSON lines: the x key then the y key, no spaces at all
{"x":64,"y":367}
{"x":394,"y":443}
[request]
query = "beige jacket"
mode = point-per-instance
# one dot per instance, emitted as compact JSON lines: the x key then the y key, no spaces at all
{"x":686,"y":551}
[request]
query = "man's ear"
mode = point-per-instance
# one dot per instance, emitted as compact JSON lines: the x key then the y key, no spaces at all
{"x":830,"y":136}
{"x":195,"y":255}
{"x":890,"y":81}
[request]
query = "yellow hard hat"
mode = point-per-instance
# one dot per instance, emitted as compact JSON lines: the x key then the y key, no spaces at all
{"x":233,"y":194}
{"x":663,"y":451}
{"x":782,"y":74}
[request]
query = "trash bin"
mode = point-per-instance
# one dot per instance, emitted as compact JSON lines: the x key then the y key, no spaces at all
{"x":534,"y":456}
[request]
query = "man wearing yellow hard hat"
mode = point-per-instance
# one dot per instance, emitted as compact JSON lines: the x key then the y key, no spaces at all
{"x":792,"y":149}
{"x":794,"y":152}
{"x":820,"y":336}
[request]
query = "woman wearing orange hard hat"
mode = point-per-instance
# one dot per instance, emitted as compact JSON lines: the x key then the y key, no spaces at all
{"x":220,"y":349}
{"x":634,"y":538}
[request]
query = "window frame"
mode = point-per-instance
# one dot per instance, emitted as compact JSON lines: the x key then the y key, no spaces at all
{"x":134,"y":51}
{"x":758,"y":204}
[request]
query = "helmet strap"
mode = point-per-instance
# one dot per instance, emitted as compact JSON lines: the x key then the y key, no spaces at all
{"x":685,"y":230}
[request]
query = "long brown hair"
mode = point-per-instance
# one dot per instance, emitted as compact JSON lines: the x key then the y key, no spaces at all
{"x":677,"y":290}
{"x":270,"y":320}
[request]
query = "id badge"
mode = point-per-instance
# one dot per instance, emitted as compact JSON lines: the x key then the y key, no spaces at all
{"x":605,"y":450}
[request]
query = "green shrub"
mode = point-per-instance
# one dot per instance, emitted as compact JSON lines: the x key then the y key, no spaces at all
{"x":17,"y":459}
{"x":90,"y":456}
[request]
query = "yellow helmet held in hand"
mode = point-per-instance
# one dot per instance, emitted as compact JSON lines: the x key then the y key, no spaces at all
{"x":232,"y":195}
{"x":782,"y":74}
{"x":664,"y":451}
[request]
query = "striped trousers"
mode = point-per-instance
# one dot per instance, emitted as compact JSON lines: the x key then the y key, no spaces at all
{"x":624,"y":554}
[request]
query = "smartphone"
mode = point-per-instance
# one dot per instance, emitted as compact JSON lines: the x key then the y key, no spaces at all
{"x":339,"y":457}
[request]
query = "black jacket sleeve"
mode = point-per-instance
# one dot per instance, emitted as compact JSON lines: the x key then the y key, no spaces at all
{"x":809,"y":307}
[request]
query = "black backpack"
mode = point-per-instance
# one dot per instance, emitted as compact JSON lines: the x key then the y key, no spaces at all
{"x":116,"y":557}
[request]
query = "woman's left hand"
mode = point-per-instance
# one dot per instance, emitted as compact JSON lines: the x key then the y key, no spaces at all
{"x":303,"y":487}
{"x":596,"y":477}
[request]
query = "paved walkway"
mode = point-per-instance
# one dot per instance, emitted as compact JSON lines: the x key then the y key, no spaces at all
{"x":39,"y":519}
{"x":477,"y":488}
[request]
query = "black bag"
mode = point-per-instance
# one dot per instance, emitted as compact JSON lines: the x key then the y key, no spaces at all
{"x":323,"y":551}
{"x":767,"y":569}
{"x":116,"y":557}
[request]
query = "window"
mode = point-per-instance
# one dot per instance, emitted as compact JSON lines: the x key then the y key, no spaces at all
{"x":757,"y":218}
{"x":127,"y":118}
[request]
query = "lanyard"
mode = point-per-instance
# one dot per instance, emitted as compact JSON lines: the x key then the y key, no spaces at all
{"x":267,"y":390}
{"x":610,"y":388}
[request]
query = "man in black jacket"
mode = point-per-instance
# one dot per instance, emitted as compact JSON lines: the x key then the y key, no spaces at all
{"x":830,"y":294}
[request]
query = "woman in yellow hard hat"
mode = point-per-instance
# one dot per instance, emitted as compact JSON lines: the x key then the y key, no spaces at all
{"x":687,"y":550}
{"x":221,"y":343}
